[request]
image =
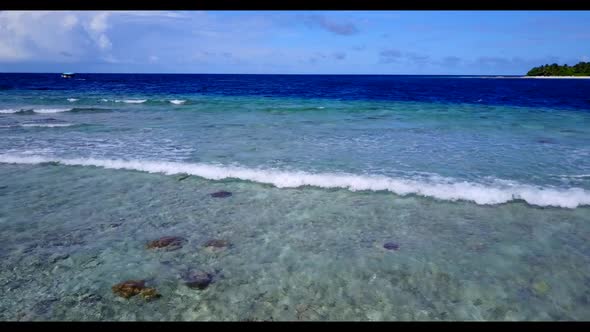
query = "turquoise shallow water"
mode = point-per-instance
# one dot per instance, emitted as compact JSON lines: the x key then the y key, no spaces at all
{"x":482,"y":153}
{"x":488,"y":204}
{"x":297,"y":254}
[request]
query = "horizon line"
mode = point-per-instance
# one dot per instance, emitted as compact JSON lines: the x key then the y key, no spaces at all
{"x":164,"y":73}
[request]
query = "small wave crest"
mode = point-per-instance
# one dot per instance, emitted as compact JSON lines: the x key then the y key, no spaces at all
{"x":581,"y":176}
{"x":46,"y":125}
{"x":51,"y":110}
{"x":10,"y":111}
{"x":131,"y":101}
{"x":437,"y":187}
{"x":71,"y":100}
{"x":177,"y":101}
{"x":36,"y":110}
{"x":55,"y":110}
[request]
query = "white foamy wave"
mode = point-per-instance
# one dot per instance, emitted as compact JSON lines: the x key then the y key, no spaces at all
{"x":440,"y":188}
{"x":131,"y":101}
{"x":46,"y":125}
{"x":9,"y":111}
{"x":178,"y":101}
{"x":71,"y":100}
{"x":51,"y":110}
{"x":582,"y":176}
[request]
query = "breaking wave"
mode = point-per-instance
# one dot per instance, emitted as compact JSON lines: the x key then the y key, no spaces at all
{"x":435,"y":187}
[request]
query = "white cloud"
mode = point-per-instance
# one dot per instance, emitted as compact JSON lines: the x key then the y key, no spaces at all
{"x":70,"y":21}
{"x":104,"y":42}
{"x":97,"y":28}
{"x":99,"y":22}
{"x":17,"y":35}
{"x":185,"y":40}
{"x":83,"y":35}
{"x":41,"y":36}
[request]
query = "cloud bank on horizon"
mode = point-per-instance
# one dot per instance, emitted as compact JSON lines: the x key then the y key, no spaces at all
{"x":292,"y":42}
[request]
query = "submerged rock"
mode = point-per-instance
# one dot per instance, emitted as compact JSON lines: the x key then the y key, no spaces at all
{"x":149,"y":294}
{"x":221,"y":194}
{"x":198,"y":279}
{"x":217,"y":244}
{"x":391,"y":246}
{"x":168,"y":242}
{"x":130,"y":288}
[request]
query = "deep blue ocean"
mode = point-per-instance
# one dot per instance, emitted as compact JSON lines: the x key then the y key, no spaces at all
{"x":487,"y":90}
{"x":482,"y":183}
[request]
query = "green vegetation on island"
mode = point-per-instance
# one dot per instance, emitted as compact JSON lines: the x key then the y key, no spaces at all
{"x":581,"y":69}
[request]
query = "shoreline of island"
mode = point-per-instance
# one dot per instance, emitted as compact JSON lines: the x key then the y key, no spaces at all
{"x":557,"y":77}
{"x":520,"y":77}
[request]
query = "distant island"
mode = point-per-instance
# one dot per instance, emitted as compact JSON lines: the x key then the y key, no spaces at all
{"x":581,"y":69}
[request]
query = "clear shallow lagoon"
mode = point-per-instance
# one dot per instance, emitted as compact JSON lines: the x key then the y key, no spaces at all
{"x":483,"y":183}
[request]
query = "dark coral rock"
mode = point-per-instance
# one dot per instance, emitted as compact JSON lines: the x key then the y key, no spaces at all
{"x":149,"y":294}
{"x":168,"y":242}
{"x":391,"y":246}
{"x":198,"y":279}
{"x":217,"y":244}
{"x":221,"y":194}
{"x":129,"y":288}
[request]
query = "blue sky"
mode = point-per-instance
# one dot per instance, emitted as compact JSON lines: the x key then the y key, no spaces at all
{"x":292,"y":42}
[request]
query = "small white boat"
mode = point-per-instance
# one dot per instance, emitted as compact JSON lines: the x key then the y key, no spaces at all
{"x":67,"y":75}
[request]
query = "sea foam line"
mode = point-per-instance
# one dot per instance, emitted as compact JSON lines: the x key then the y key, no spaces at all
{"x":440,"y":188}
